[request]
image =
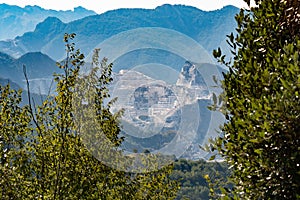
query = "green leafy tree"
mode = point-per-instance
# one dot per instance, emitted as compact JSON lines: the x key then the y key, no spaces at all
{"x":191,"y":175}
{"x":261,"y":138}
{"x":14,"y":160}
{"x":43,"y":156}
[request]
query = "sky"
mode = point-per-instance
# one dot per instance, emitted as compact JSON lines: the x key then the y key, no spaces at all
{"x":101,"y":6}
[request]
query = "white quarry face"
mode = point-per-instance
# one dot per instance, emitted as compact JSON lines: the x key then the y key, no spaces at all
{"x":162,"y":115}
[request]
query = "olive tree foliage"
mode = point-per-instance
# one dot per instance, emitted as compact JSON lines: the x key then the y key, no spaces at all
{"x":42,"y":155}
{"x":261,"y":102}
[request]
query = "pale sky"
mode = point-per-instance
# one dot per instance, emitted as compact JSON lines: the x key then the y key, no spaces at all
{"x":101,"y":6}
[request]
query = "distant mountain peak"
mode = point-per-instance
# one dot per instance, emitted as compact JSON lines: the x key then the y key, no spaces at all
{"x":35,"y":55}
{"x":7,"y":6}
{"x":34,"y":7}
{"x":230,"y":7}
{"x":172,"y":6}
{"x":175,"y":6}
{"x":81,"y":9}
{"x":52,"y":19}
{"x":49,"y":24}
{"x":190,"y":76}
{"x":15,"y":20}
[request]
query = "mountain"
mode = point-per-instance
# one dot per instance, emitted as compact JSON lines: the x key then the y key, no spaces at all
{"x":8,"y":66}
{"x":37,"y":98}
{"x":38,"y":65}
{"x":190,"y":76}
{"x":15,"y":20}
{"x":163,"y":69}
{"x":209,"y":29}
{"x":39,"y":69}
{"x":13,"y":85}
{"x":167,"y":117}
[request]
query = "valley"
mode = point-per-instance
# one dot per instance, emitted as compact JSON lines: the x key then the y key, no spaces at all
{"x":163,"y":70}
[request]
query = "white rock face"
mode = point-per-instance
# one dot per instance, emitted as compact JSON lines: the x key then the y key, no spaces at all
{"x":190,"y":77}
{"x":155,"y":111}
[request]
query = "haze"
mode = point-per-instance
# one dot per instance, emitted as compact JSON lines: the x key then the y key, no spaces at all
{"x":101,"y":6}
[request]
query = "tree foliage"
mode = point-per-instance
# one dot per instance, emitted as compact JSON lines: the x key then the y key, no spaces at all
{"x":42,"y":155}
{"x":261,"y":138}
{"x":192,"y":176}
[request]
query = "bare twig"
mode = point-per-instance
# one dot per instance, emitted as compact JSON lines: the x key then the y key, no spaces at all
{"x":33,"y":117}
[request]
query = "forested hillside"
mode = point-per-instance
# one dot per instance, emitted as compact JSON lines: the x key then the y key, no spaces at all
{"x":207,"y":28}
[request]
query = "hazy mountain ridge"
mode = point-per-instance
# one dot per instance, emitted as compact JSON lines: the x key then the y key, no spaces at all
{"x":207,"y":28}
{"x":37,"y":98}
{"x":15,"y":21}
{"x":13,"y":85}
{"x":38,"y":65}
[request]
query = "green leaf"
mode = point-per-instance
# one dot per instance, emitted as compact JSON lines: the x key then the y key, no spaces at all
{"x":212,"y":157}
{"x":215,"y":98}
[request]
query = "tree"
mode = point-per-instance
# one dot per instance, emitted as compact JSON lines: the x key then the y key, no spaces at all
{"x":261,"y":137}
{"x":42,"y":155}
{"x":193,"y":185}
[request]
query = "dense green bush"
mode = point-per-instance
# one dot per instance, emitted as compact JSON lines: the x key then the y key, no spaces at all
{"x":191,"y":175}
{"x":261,"y":139}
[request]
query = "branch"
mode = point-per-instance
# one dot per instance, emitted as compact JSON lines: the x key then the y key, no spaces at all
{"x":29,"y":100}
